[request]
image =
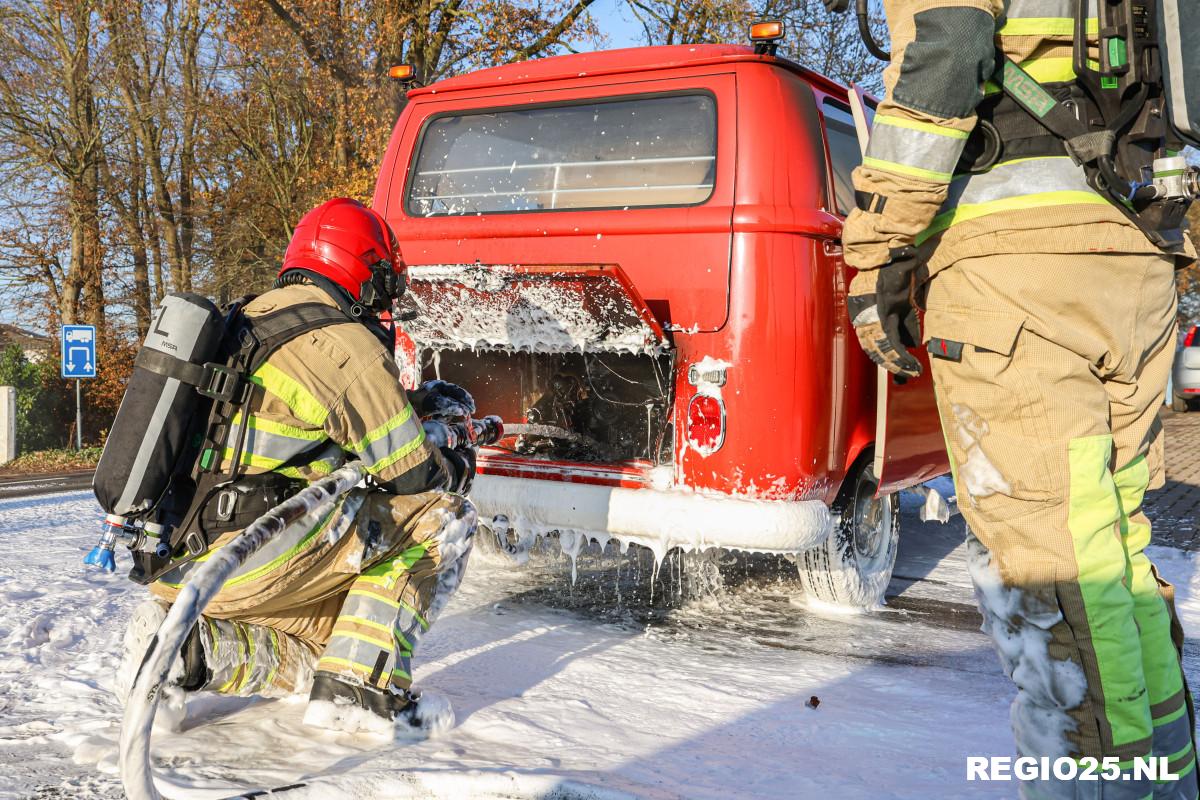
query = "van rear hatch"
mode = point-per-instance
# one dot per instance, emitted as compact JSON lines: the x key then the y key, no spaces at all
{"x":570,"y":356}
{"x":535,"y":309}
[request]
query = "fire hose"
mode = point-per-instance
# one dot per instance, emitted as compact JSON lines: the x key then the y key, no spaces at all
{"x":304,"y":508}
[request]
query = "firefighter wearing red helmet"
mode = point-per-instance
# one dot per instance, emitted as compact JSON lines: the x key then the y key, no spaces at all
{"x":336,"y":610}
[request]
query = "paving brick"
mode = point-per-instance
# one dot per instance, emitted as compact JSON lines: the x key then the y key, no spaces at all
{"x":1175,"y":509}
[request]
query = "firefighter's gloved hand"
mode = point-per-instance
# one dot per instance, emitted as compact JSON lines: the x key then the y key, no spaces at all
{"x":440,"y":399}
{"x":462,"y":464}
{"x":884,"y":315}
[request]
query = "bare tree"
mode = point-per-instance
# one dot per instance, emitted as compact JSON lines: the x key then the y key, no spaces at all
{"x":49,"y":123}
{"x":828,"y":43}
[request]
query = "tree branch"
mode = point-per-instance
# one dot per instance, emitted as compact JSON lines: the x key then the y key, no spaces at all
{"x":550,"y":37}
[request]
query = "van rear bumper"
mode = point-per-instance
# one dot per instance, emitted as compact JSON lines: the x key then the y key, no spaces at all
{"x":654,"y":518}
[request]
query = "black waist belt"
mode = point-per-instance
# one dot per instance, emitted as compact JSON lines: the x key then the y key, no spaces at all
{"x":238,"y":504}
{"x":1006,"y":132}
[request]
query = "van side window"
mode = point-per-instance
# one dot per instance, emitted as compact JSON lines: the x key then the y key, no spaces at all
{"x":643,"y":151}
{"x":844,"y":153}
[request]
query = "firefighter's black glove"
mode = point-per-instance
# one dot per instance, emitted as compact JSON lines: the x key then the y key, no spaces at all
{"x":442,"y":400}
{"x":462,"y":466}
{"x":884,"y":315}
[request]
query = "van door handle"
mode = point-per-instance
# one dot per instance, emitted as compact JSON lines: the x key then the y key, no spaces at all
{"x":832,"y":247}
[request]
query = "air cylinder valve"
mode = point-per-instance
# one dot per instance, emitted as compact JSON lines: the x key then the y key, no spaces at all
{"x":1175,"y":179}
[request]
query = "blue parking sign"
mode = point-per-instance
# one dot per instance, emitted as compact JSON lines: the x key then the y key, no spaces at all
{"x":79,"y":351}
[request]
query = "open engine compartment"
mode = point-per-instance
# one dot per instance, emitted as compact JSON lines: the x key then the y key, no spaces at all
{"x":589,"y":407}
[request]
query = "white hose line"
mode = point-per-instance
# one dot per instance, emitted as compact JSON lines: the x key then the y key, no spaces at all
{"x":305,"y":507}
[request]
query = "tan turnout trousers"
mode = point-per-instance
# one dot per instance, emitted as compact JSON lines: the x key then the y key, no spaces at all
{"x":1051,"y":416}
{"x":351,"y":596}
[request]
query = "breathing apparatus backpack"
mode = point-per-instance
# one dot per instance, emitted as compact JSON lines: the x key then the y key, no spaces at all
{"x":1124,"y":119}
{"x":160,"y":478}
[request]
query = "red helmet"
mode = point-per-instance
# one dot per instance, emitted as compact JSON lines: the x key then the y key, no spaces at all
{"x":351,"y":245}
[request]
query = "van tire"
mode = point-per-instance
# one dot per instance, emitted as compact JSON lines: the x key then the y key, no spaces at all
{"x":853,"y":567}
{"x":1178,"y":404}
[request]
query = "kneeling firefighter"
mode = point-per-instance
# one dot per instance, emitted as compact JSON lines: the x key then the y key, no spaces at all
{"x":1023,"y":183}
{"x":339,"y":607}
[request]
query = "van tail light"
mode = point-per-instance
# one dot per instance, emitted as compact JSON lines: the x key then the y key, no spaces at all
{"x":1190,"y":339}
{"x":706,"y":424}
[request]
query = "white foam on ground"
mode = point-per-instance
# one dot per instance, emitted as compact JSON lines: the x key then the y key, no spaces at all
{"x":548,"y":703}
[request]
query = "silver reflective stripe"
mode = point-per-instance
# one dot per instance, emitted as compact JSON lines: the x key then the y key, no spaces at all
{"x":1172,"y":737}
{"x":275,"y":446}
{"x":186,"y":322}
{"x":396,"y":439}
{"x":1176,"y":26}
{"x":162,"y":409}
{"x":919,"y":150}
{"x":348,"y":652}
{"x":1017,"y":178}
{"x":335,"y":526}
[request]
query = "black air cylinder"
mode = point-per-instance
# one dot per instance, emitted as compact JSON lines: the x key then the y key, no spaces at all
{"x":159,"y":414}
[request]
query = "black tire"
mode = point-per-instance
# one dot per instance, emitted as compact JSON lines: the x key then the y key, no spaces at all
{"x":853,"y":567}
{"x":1179,"y":405}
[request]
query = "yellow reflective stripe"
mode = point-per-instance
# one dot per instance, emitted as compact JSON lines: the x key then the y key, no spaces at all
{"x":385,"y":573}
{"x":367,"y":623}
{"x":253,"y":459}
{"x":281,"y":428}
{"x":384,"y":429}
{"x":416,"y":614}
{"x":241,"y":668}
{"x":906,"y":169}
{"x":395,"y":456}
{"x":1191,"y":765}
{"x":1051,"y":69}
{"x":1166,"y":719}
{"x":346,"y":663}
{"x":278,"y":657}
{"x":270,"y":565}
{"x":374,"y":596}
{"x":917,"y":125}
{"x":399,"y":673}
{"x":365,"y":637}
{"x":288,"y":389}
{"x":1045,"y":26}
{"x":249,"y":661}
{"x":216,"y":637}
{"x":964,"y":213}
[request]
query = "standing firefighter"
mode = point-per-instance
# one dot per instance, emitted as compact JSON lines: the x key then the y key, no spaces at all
{"x":342,"y":605}
{"x":1050,"y":321}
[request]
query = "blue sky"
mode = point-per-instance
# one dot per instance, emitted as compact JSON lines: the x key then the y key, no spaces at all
{"x":614,"y":19}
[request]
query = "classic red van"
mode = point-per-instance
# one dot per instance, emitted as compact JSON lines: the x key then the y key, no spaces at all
{"x":632,"y":257}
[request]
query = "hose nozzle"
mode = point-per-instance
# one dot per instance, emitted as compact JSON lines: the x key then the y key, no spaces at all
{"x":113,"y":528}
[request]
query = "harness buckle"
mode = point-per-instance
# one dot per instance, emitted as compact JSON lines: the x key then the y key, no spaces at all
{"x":224,"y":384}
{"x":226,"y":504}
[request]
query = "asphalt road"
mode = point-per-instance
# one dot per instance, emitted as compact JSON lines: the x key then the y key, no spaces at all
{"x":17,"y":486}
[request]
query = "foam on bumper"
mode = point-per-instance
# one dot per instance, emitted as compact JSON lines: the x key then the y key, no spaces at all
{"x":657,"y":519}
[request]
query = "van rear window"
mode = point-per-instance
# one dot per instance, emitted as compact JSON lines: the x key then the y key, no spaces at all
{"x":647,"y":151}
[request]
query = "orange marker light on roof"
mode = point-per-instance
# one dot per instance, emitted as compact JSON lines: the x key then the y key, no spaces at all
{"x":766,"y":31}
{"x":765,"y":36}
{"x":401,"y":72}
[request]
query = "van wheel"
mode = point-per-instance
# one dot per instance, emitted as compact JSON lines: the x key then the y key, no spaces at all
{"x":854,"y":565}
{"x":1179,"y":404}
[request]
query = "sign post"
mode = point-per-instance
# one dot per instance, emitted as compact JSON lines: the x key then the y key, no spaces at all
{"x":78,"y":362}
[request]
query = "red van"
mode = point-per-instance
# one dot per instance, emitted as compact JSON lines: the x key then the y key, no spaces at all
{"x":633,"y":257}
